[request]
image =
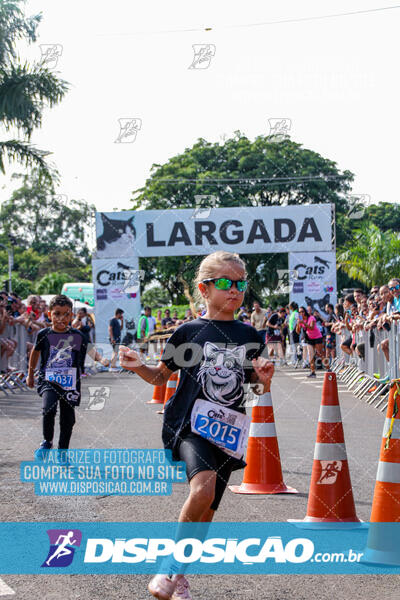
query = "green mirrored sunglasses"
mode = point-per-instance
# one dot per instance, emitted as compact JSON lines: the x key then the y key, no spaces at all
{"x":223,"y":283}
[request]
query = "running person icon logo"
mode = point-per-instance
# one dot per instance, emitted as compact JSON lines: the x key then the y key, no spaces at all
{"x":62,"y":547}
{"x":97,"y":397}
{"x":329,"y":471}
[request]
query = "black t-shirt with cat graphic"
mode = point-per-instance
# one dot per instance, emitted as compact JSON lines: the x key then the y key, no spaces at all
{"x":214,"y":358}
{"x":60,"y":350}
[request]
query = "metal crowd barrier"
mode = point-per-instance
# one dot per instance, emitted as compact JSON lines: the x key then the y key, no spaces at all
{"x":14,"y":380}
{"x":369,"y":376}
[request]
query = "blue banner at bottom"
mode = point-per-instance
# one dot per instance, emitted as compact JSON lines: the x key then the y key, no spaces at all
{"x":216,"y":548}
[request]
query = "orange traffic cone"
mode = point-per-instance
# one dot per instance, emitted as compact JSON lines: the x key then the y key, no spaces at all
{"x":158,"y":395}
{"x":263,"y":473}
{"x":170,"y":389}
{"x":330,"y":500}
{"x":383,"y":538}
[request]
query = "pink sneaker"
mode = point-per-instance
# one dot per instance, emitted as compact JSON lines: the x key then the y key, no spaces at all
{"x":162,"y":587}
{"x":182,"y":591}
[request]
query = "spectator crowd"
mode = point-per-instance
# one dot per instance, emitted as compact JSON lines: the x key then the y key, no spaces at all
{"x":294,"y":335}
{"x":19,"y":323}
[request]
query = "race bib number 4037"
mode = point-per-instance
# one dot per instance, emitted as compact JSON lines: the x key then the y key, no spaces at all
{"x":222,"y":426}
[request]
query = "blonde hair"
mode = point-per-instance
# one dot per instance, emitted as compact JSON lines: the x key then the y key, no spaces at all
{"x":211,"y":263}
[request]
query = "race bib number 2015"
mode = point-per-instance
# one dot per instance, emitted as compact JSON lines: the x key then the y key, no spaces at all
{"x":222,"y":426}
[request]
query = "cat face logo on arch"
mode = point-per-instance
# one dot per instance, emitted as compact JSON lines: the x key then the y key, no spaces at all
{"x":63,"y":543}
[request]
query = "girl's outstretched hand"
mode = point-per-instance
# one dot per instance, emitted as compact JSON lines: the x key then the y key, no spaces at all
{"x":264,"y":369}
{"x":129,"y":359}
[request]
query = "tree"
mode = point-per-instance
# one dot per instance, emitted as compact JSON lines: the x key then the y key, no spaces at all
{"x":154,"y":296}
{"x":373,"y":257}
{"x":22,"y":287}
{"x":385,"y":215}
{"x":26,"y":263}
{"x":37,"y":218}
{"x":239,"y":172}
{"x":24,"y":90}
{"x":65,"y":262}
{"x":51,"y":283}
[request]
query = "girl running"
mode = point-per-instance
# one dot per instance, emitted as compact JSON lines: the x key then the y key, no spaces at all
{"x":217,"y":355}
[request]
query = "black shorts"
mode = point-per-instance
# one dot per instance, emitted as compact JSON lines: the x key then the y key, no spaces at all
{"x":201,"y":455}
{"x":311,"y":342}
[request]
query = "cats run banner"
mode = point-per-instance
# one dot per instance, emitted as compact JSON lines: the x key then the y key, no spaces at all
{"x":116,"y":284}
{"x":203,"y":230}
{"x":312,"y":279}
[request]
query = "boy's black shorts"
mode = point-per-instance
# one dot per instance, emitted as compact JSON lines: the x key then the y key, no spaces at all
{"x":201,"y":455}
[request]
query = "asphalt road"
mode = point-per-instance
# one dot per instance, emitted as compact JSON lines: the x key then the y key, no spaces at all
{"x":126,"y":421}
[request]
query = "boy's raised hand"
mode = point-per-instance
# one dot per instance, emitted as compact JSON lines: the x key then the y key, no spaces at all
{"x":129,"y":359}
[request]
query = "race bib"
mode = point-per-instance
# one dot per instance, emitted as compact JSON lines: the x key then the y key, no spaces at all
{"x":224,"y":427}
{"x":66,"y":377}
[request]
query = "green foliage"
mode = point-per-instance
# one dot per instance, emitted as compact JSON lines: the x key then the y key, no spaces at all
{"x":181,"y":308}
{"x":373,"y":257}
{"x":240,"y":172}
{"x":64,"y":262}
{"x":37,"y":218}
{"x":23,"y":287}
{"x":51,"y":283}
{"x":385,"y":215}
{"x":154,"y":296}
{"x":25,"y":90}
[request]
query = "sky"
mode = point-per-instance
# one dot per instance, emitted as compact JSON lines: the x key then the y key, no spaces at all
{"x":334,"y":79}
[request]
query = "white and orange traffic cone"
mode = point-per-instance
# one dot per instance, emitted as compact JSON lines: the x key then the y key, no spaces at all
{"x":330,"y":499}
{"x":158,"y":395}
{"x":263,"y":473}
{"x":170,"y":389}
{"x":383,"y":545}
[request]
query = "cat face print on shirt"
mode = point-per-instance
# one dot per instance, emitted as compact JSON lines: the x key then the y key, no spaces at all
{"x":62,"y":349}
{"x":221,"y":373}
{"x":61,"y":354}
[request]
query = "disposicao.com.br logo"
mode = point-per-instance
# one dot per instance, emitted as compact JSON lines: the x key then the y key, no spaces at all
{"x":62,"y":547}
{"x":221,"y":548}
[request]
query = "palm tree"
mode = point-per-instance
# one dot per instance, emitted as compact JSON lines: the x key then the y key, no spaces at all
{"x":24,"y":89}
{"x":373,"y":257}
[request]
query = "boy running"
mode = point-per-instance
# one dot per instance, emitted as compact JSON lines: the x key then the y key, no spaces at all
{"x":62,"y":350}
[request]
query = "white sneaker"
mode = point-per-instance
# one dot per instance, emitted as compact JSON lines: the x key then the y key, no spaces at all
{"x":166,"y":588}
{"x":182,"y":591}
